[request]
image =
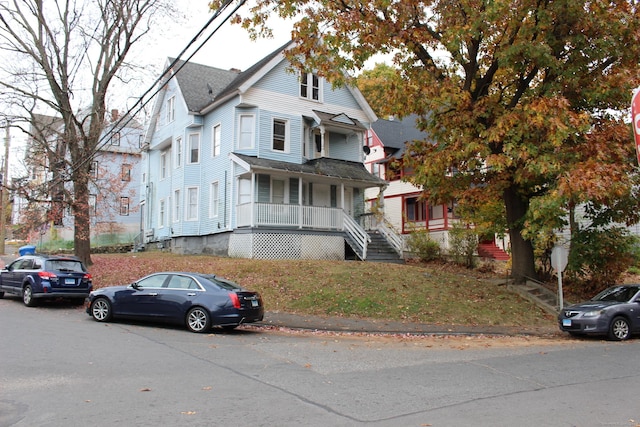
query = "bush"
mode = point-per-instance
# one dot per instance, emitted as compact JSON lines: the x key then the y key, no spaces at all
{"x":463,"y":245}
{"x":599,"y":257}
{"x":421,"y":244}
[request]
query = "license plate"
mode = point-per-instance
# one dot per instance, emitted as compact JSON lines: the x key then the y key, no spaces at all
{"x":254,"y":303}
{"x":566,"y":322}
{"x":69,"y":281}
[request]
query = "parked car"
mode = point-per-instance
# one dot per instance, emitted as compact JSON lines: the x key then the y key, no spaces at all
{"x":196,"y":300}
{"x":39,"y":276}
{"x":614,"y":312}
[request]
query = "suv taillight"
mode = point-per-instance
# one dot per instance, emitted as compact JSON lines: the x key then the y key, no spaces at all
{"x":46,"y":275}
{"x":87,"y":276}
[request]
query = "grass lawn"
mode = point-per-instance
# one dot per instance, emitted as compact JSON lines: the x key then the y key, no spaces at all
{"x":429,"y":293}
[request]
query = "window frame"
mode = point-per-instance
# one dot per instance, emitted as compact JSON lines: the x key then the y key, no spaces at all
{"x":216,"y":135}
{"x":193,"y":136}
{"x":177,"y":152}
{"x":124,"y":206}
{"x":170,"y":113}
{"x":176,"y":205}
{"x":284,"y":139}
{"x":214,"y":199}
{"x":192,"y":209}
{"x":241,"y":133}
{"x":125,"y":172}
{"x":164,"y":167}
{"x":307,"y":89}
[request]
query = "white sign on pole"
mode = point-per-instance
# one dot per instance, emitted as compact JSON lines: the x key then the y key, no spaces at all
{"x":559,"y":261}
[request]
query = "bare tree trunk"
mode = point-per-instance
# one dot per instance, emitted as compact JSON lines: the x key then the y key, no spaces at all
{"x":81,"y":220}
{"x":522,"y":256}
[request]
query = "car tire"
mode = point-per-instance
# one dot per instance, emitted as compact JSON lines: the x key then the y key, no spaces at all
{"x":101,"y":310}
{"x":619,"y":329}
{"x":198,"y":320}
{"x":1,"y":295}
{"x":27,"y":296}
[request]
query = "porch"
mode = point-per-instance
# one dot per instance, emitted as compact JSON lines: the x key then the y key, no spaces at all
{"x":290,"y":216}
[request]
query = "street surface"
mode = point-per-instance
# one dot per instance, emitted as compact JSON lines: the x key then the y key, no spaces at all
{"x":60,"y":368}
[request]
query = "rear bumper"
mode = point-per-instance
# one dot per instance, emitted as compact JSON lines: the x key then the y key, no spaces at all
{"x":55,"y":294}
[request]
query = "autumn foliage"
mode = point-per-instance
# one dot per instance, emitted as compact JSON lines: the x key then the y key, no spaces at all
{"x":524,"y":100}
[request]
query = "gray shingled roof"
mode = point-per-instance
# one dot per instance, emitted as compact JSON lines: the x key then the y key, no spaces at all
{"x":396,"y":133}
{"x":201,"y":84}
{"x":343,"y":169}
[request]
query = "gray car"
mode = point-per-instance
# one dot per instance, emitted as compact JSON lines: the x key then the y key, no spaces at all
{"x":614,"y":312}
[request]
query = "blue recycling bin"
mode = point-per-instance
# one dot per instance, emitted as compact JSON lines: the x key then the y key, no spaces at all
{"x":27,"y":250}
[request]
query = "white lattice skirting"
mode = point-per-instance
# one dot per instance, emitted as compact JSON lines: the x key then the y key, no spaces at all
{"x":286,"y":246}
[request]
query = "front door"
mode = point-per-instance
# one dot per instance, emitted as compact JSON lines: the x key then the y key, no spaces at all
{"x":348,"y":201}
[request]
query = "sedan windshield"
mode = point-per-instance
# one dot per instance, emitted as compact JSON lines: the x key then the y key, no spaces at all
{"x":617,"y":293}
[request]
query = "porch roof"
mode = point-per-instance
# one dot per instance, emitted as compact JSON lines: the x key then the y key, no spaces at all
{"x":333,"y":168}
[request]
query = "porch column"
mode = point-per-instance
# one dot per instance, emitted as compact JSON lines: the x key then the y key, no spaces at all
{"x":322,"y":142}
{"x":252,"y":195}
{"x":300,"y":206}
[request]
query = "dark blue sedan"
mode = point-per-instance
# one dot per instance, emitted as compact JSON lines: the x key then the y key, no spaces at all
{"x":196,"y":300}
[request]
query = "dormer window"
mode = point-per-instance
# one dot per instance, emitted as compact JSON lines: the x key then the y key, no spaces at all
{"x":310,"y":86}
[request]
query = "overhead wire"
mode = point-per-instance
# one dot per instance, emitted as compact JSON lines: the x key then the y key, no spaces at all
{"x":174,"y":67}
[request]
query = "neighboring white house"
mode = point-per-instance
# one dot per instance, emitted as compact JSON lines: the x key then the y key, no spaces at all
{"x":265,"y":163}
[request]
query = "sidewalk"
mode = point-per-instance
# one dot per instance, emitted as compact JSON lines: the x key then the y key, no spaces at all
{"x":342,"y":324}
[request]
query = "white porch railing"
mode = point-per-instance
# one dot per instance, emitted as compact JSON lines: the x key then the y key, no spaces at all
{"x":281,"y":215}
{"x":304,"y":217}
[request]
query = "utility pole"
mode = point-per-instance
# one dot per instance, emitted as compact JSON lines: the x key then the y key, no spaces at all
{"x":3,"y":189}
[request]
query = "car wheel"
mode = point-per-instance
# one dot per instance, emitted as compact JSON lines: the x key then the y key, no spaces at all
{"x":1,"y":295}
{"x":101,"y":310}
{"x":198,"y":320}
{"x":619,"y":329}
{"x":27,"y":296}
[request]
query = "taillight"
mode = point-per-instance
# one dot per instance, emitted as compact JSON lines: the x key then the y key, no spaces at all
{"x":46,"y":275}
{"x":87,"y":276}
{"x":234,"y":299}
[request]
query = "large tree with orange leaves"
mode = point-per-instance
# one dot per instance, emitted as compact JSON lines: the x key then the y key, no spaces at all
{"x":519,"y":96}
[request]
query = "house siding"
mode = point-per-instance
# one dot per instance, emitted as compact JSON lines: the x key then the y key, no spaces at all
{"x":272,"y":95}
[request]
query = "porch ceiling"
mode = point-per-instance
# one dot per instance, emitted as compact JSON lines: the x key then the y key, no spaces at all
{"x":332,"y":168}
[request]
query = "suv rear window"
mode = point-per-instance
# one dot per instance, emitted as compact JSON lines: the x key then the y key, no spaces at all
{"x":65,"y":265}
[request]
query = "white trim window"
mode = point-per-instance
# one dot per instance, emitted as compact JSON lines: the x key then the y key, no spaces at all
{"x":176,"y":205}
{"x":214,"y":205}
{"x":194,"y":148}
{"x":310,"y":86}
{"x":280,"y":141}
{"x":124,"y":206}
{"x":216,"y":133}
{"x":164,"y":169}
{"x":161,"y":213}
{"x":246,"y":131}
{"x":170,"y":110}
{"x":177,"y":148}
{"x":192,"y":204}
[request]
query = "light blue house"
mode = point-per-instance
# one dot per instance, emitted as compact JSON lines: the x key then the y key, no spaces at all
{"x":265,"y":163}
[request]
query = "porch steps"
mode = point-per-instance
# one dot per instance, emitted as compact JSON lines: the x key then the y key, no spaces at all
{"x":491,"y":250}
{"x":379,"y":250}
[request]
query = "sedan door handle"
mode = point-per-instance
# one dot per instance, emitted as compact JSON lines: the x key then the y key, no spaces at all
{"x":191,"y":294}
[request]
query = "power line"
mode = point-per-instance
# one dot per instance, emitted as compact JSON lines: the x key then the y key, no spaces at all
{"x":155,"y":87}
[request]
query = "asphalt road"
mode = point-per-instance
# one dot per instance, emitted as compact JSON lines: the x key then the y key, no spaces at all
{"x":60,"y":368}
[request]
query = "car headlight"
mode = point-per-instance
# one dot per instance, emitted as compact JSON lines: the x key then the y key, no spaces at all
{"x":594,"y":313}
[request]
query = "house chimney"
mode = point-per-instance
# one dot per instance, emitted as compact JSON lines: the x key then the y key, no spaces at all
{"x":114,"y":115}
{"x":235,"y":70}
